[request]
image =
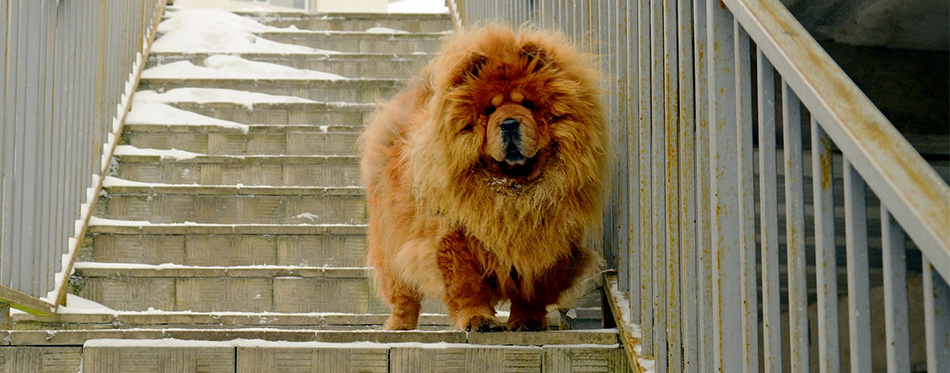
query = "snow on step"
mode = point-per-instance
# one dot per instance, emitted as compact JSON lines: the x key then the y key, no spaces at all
{"x":212,"y":30}
{"x":362,"y":65}
{"x":333,"y":90}
{"x":359,"y":42}
{"x":233,"y":67}
{"x":424,"y":23}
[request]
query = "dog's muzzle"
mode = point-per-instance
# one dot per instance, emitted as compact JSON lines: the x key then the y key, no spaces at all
{"x":511,"y":137}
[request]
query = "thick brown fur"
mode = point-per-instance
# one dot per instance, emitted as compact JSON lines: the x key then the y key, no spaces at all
{"x":459,"y":213}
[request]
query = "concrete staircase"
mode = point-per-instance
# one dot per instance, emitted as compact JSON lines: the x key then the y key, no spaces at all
{"x":246,"y":253}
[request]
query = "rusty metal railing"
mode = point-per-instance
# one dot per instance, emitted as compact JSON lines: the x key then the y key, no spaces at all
{"x":739,"y":247}
{"x":67,"y":71}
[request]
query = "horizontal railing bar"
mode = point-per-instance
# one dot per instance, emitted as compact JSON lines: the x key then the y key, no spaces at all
{"x":912,"y":191}
{"x":25,"y":302}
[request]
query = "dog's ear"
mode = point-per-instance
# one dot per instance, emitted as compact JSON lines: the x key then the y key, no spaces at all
{"x":468,"y":68}
{"x":536,"y":56}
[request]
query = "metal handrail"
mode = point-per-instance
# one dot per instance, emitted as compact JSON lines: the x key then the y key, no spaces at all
{"x":67,"y":73}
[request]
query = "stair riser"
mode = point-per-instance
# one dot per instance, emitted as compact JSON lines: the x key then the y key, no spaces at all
{"x":233,"y":209}
{"x":116,"y":357}
{"x":258,"y":143}
{"x":253,"y":294}
{"x":359,"y":43}
{"x":318,"y":114}
{"x":317,"y":90}
{"x":370,"y":67}
{"x":242,"y":173}
{"x":227,"y":250}
{"x":430,"y":25}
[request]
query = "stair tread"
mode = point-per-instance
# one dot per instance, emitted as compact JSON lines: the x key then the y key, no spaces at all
{"x":115,"y":270}
{"x":601,"y":337}
{"x":250,"y":128}
{"x":109,"y":226}
{"x":248,"y":159}
{"x":118,"y":186}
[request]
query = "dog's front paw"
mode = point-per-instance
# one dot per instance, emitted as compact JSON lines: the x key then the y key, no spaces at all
{"x":483,"y":324}
{"x":527,"y":325}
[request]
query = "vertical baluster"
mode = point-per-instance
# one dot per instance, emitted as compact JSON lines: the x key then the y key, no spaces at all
{"x":7,"y":127}
{"x":895,"y":294}
{"x":633,"y":162}
{"x":724,"y":189}
{"x":746,"y":207}
{"x":658,"y":189}
{"x":826,"y":276}
{"x":703,"y":228}
{"x":689,"y":319}
{"x":671,"y":169}
{"x":937,"y":319}
{"x":646,"y":177}
{"x":795,"y":231}
{"x":616,"y":21}
{"x":856,"y":244}
{"x":768,"y":199}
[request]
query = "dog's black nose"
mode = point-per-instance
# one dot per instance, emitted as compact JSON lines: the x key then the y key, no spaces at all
{"x":510,"y":130}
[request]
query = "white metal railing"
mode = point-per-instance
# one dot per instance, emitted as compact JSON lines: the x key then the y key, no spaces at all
{"x":735,"y":250}
{"x":65,"y":84}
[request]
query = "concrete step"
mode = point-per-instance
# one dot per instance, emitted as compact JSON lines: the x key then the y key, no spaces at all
{"x":171,"y":203}
{"x":367,"y":66}
{"x":254,"y":356}
{"x":218,"y":320}
{"x":252,"y":170}
{"x":227,"y":245}
{"x":343,"y":90}
{"x":415,"y":23}
{"x":594,"y":337}
{"x":137,"y":287}
{"x":257,"y":140}
{"x":360,"y":42}
{"x":186,"y":350}
{"x":317,"y":113}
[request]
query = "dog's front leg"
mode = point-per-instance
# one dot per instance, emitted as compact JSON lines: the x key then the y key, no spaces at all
{"x":468,"y":293}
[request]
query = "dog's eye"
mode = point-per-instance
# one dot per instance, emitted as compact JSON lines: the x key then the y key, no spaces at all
{"x":468,"y":128}
{"x":527,"y":104}
{"x":489,"y":110}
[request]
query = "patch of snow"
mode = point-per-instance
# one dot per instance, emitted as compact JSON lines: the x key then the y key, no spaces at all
{"x":418,"y":6}
{"x":209,"y":95}
{"x":233,"y":67}
{"x":77,"y":304}
{"x":307,"y":215}
{"x":144,"y":112}
{"x":216,"y":30}
{"x":165,"y":154}
{"x":385,"y":30}
{"x":95,"y":220}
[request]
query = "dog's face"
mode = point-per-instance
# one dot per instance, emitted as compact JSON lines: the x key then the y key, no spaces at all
{"x":503,"y":104}
{"x":516,"y":114}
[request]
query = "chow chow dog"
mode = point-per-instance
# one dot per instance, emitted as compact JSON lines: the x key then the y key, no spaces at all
{"x":484,"y":180}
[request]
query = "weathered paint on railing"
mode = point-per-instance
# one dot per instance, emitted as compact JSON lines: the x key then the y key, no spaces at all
{"x":64,"y":76}
{"x":682,"y":226}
